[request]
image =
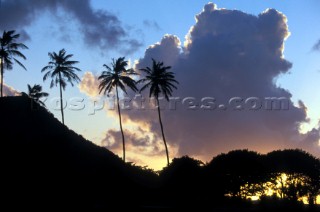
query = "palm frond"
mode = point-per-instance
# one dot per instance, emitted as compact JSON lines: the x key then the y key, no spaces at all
{"x":145,"y":86}
{"x":7,"y":63}
{"x":131,"y":72}
{"x":131,"y":83}
{"x":19,"y":63}
{"x":63,"y":84}
{"x":60,"y":65}
{"x":52,"y":83}
{"x":122,"y":87}
{"x":10,"y":49}
{"x":29,"y":89}
{"x":159,"y":80}
{"x":146,"y":70}
{"x":17,"y":53}
{"x":117,"y":75}
{"x":108,"y":67}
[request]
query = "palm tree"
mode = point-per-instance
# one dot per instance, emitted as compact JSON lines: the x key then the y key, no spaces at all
{"x":160,"y":81}
{"x":35,"y":92}
{"x":61,"y":70}
{"x":9,"y":51}
{"x":117,"y":76}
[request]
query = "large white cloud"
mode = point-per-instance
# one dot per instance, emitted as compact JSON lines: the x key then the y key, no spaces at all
{"x":228,"y":53}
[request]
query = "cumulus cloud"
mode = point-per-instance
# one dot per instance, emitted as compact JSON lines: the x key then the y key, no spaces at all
{"x":168,"y":49}
{"x":228,"y":54}
{"x":316,"y":46}
{"x":139,"y":141}
{"x":89,"y":84}
{"x":310,"y":142}
{"x":99,"y":28}
{"x":142,"y":147}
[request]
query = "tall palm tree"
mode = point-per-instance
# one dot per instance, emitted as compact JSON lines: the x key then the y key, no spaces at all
{"x":9,"y":50}
{"x":117,"y":76}
{"x":35,"y":92}
{"x":160,"y":80}
{"x":62,"y":70}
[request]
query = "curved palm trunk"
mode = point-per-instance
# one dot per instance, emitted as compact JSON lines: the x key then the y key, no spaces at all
{"x":1,"y":77}
{"x":61,"y":100}
{"x":164,"y":139}
{"x":123,"y":142}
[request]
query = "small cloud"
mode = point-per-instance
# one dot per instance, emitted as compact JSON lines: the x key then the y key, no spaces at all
{"x":133,"y":46}
{"x":316,"y":46}
{"x":138,"y":141}
{"x":10,"y":91}
{"x":151,"y":25}
{"x":310,"y":142}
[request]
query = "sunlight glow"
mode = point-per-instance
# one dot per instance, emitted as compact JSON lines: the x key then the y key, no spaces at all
{"x":254,"y":198}
{"x":283,"y":182}
{"x":143,"y":147}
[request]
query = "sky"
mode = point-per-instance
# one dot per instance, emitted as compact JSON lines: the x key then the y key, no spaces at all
{"x":218,"y":50}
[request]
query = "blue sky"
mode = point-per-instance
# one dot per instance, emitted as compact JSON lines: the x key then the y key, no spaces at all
{"x":147,"y":21}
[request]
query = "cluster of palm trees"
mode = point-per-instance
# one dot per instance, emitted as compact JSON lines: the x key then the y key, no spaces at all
{"x":61,"y":69}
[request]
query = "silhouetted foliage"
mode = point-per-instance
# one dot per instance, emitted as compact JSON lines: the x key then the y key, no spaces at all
{"x":9,"y":50}
{"x":302,"y":170}
{"x":241,"y":172}
{"x":160,"y":81}
{"x":117,"y":76}
{"x":182,"y":179}
{"x":35,"y":92}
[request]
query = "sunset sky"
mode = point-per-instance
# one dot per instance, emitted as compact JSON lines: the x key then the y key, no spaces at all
{"x":221,"y":50}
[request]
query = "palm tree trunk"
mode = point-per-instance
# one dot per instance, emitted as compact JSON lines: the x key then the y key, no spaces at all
{"x":164,"y":139}
{"x":61,"y":100}
{"x":123,"y":142}
{"x":1,"y":77}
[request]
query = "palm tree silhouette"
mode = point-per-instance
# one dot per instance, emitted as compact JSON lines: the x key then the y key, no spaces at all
{"x":117,"y":76}
{"x":9,"y":50}
{"x":35,"y":92}
{"x":61,"y":70}
{"x":160,"y":81}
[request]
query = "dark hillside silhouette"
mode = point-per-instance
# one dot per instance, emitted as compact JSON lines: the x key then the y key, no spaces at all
{"x":60,"y":167}
{"x":45,"y":165}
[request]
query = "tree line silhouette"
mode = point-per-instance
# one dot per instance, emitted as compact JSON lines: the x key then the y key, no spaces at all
{"x":62,"y":70}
